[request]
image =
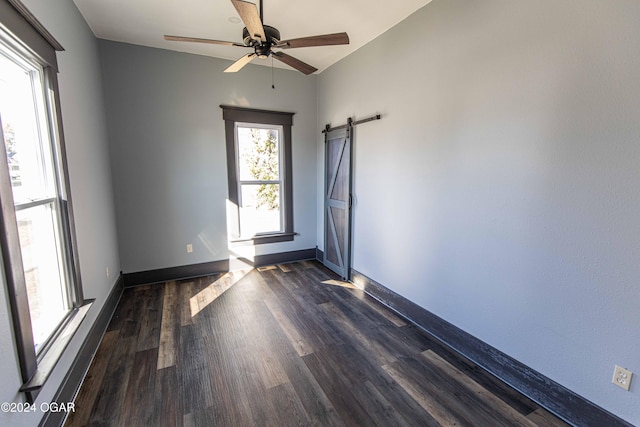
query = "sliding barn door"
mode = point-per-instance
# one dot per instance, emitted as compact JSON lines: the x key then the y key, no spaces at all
{"x":337,"y":201}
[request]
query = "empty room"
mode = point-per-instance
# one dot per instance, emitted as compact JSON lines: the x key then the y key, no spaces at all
{"x":198,"y":229}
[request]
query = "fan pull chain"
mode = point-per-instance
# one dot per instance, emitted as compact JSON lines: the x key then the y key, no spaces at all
{"x":273,"y":85}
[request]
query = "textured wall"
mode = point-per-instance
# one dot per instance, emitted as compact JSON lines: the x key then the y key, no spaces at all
{"x":167,"y":142}
{"x":501,"y":189}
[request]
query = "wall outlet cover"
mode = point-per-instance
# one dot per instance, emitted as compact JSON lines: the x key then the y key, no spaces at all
{"x":622,"y":377}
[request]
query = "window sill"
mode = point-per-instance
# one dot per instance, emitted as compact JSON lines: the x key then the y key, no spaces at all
{"x":262,"y":239}
{"x":53,"y":354}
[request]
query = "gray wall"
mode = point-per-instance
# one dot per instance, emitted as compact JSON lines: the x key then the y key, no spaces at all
{"x":89,"y":170}
{"x":501,"y":189}
{"x":167,"y":142}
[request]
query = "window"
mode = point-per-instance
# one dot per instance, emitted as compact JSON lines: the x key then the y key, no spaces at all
{"x":38,"y":248}
{"x":259,"y":179}
{"x":259,"y":171}
{"x":35,"y":194}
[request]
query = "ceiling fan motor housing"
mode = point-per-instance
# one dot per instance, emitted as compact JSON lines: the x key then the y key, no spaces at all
{"x":262,"y":50}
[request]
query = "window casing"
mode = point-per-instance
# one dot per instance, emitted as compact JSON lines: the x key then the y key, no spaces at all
{"x":259,"y":175}
{"x":38,"y":240}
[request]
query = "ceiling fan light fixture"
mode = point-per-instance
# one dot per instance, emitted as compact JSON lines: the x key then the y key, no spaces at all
{"x":262,"y":38}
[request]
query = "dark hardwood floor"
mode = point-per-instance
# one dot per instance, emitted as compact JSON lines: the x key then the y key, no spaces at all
{"x":282,"y":346}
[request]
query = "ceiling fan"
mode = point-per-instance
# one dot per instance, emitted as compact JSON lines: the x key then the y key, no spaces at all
{"x":264,"y":38}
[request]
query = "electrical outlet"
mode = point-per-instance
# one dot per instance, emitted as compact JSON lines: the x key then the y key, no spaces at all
{"x":189,"y":248}
{"x":622,"y":377}
{"x":106,"y":270}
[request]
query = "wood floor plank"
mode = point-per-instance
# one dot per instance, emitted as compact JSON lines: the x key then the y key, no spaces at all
{"x":169,"y":327}
{"x":250,"y":389}
{"x":514,"y":399}
{"x":204,"y":417}
{"x":512,"y":417}
{"x":338,"y":390}
{"x":543,"y":418}
{"x":195,"y":385}
{"x":166,"y":398}
{"x":359,"y":359}
{"x":213,"y":290}
{"x":403,"y":403}
{"x":438,"y":411}
{"x":296,"y":338}
{"x":377,"y":406}
{"x":319,"y":408}
{"x":287,"y":409}
{"x":94,"y":378}
{"x":184,"y":295}
{"x":151,"y":318}
{"x":364,"y":360}
{"x":306,"y":288}
{"x":270,"y":369}
{"x":300,"y":313}
{"x":128,"y":322}
{"x":385,"y":312}
{"x":464,"y":403}
{"x":285,"y":268}
{"x":121,"y":313}
{"x":356,"y":333}
{"x":110,"y":395}
{"x":374,"y":331}
{"x":136,"y":410}
{"x":306,"y":299}
{"x":226,"y":387}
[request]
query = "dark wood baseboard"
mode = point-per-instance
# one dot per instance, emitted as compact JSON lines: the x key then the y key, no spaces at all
{"x":284,"y":257}
{"x":162,"y":275}
{"x":72,"y":381}
{"x":207,"y":268}
{"x":564,"y":403}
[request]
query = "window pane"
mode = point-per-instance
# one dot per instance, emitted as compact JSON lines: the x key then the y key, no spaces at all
{"x":41,"y":259}
{"x":27,"y":148}
{"x":260,"y":210}
{"x":258,"y":154}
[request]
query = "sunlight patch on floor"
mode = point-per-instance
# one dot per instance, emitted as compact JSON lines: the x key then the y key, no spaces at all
{"x":209,"y":294}
{"x":339,"y":283}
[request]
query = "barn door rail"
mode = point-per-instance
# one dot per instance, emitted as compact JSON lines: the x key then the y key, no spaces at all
{"x":351,"y":122}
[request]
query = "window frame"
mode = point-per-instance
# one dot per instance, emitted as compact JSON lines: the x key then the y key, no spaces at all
{"x":234,"y":116}
{"x":21,"y":33}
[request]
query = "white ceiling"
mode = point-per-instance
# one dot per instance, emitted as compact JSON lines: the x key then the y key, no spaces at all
{"x":144,"y":22}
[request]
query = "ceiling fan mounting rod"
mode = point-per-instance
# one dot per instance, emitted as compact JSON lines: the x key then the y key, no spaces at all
{"x":261,"y":15}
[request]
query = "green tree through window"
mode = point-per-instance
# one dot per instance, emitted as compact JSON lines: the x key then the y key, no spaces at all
{"x":264,"y":165}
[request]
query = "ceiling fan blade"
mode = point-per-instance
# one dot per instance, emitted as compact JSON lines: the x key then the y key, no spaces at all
{"x":295,"y":63}
{"x":249,"y":14}
{"x":237,"y":66}
{"x":198,"y":40}
{"x":323,"y":40}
